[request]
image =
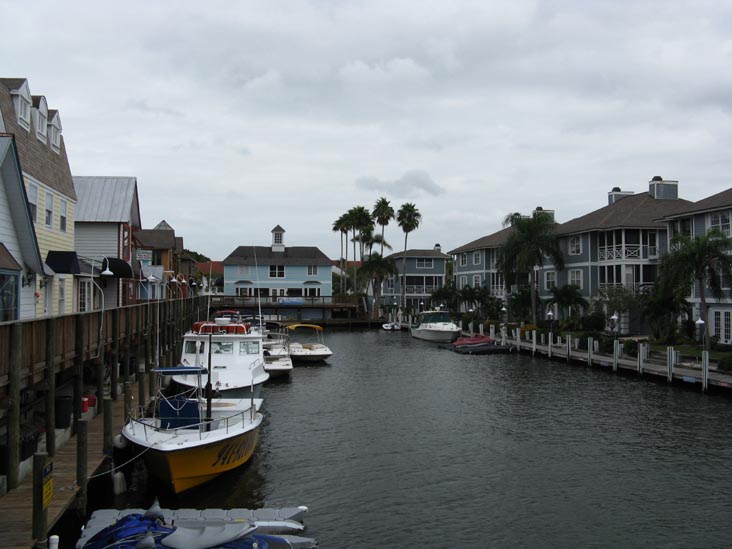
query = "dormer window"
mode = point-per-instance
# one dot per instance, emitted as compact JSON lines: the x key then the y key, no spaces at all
{"x":40,"y":111}
{"x":278,"y":238}
{"x":24,"y":112}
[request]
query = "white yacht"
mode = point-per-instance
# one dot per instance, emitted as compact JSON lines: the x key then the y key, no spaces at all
{"x":312,"y":349}
{"x":436,"y":326}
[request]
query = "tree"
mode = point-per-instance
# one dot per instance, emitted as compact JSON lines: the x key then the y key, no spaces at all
{"x":408,"y":218}
{"x":378,"y":268}
{"x":525,"y":248}
{"x":340,"y":225}
{"x":359,"y":220}
{"x":382,"y":214}
{"x":469,"y":296}
{"x":447,"y":294}
{"x":661,"y":304}
{"x":568,"y":298}
{"x":617,"y":299}
{"x":701,"y":262}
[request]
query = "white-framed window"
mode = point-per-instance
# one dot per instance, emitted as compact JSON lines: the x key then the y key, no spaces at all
{"x":550,"y":280}
{"x":49,"y":210}
{"x":727,"y":325}
{"x":312,"y":292}
{"x":277,"y":271}
{"x":476,"y":281}
{"x":33,"y":202}
{"x":463,"y":281}
{"x":248,"y":347}
{"x":85,"y":296}
{"x":312,"y":270}
{"x":278,"y":238}
{"x":24,"y":110}
{"x":244,"y":291}
{"x":61,"y":295}
{"x":62,"y":211}
{"x":575,"y":278}
{"x":476,"y":258}
{"x":463,"y":259}
{"x":575,"y":245}
{"x":425,"y":263}
{"x":42,"y":125}
{"x":718,"y":324}
{"x":720,"y":221}
{"x":55,"y":135}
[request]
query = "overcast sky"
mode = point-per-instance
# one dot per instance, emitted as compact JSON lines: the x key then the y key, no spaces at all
{"x":238,"y":116}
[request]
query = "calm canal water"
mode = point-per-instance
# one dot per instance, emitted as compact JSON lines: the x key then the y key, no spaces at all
{"x":397,"y":443}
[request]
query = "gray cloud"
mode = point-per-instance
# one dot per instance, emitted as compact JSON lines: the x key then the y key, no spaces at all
{"x":412,"y":184}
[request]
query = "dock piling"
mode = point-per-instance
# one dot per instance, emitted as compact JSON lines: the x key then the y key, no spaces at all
{"x":40,"y":515}
{"x":82,"y":431}
{"x":108,"y":435}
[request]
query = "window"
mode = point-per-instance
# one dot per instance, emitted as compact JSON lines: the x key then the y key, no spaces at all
{"x":476,"y":281}
{"x":62,"y":217}
{"x":727,"y":325}
{"x":61,"y":295}
{"x":222,"y":347}
{"x":463,"y":260}
{"x":85,"y":293}
{"x":312,"y":270}
{"x":33,"y":201}
{"x":575,"y":278}
{"x":312,"y":292}
{"x":476,"y":258}
{"x":41,"y":127}
{"x":8,"y":296}
{"x":278,"y":238}
{"x":277,"y":271}
{"x":249,"y":347}
{"x":24,"y":112}
{"x":550,"y":280}
{"x":55,"y":137}
{"x":49,"y":210}
{"x":243,"y":270}
{"x":575,"y":245}
{"x":720,"y":221}
{"x":424,"y":263}
{"x":718,"y":324}
{"x":463,"y":281}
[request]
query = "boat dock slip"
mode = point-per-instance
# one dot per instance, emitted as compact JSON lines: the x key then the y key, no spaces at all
{"x":16,"y":507}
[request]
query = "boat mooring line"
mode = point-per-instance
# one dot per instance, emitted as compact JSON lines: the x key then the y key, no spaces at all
{"x":115,"y":469}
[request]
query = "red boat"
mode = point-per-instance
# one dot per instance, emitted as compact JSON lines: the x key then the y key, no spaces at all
{"x":475,"y":339}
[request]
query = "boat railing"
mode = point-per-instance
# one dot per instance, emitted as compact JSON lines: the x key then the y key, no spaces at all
{"x":228,"y":423}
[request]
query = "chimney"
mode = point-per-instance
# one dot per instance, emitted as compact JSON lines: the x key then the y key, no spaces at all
{"x":438,"y":248}
{"x":616,"y":194}
{"x":663,"y":189}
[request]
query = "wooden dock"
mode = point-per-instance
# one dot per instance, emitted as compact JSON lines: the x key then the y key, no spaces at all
{"x":16,"y":507}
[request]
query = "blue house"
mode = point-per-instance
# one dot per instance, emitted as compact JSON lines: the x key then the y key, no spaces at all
{"x":296,"y":279}
{"x":425,"y":272}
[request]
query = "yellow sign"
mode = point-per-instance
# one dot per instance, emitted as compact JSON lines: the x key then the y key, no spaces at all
{"x":47,"y":484}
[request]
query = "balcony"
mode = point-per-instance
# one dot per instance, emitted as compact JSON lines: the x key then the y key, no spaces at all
{"x":629,"y":251}
{"x":635,"y":287}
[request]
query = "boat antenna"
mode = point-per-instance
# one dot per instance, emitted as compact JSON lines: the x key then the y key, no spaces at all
{"x":210,"y":270}
{"x":259,"y":296}
{"x":208,"y":384}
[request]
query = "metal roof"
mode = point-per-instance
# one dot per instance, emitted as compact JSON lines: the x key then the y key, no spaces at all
{"x":105,"y":199}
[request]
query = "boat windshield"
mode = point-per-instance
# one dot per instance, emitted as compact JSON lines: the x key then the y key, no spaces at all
{"x":438,"y":316}
{"x":248,"y":347}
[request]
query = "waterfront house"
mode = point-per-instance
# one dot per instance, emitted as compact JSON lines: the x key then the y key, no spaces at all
{"x":426,"y":271}
{"x":19,"y":253}
{"x":158,"y":256}
{"x":618,"y":245}
{"x":51,"y":197}
{"x":107,"y":213}
{"x":296,"y":281}
{"x":713,"y":212}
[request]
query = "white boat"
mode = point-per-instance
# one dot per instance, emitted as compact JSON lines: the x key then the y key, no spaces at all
{"x":314,"y":350}
{"x":436,"y":326}
{"x":391,"y":326}
{"x":190,"y":439}
{"x":236,"y":354}
{"x":276,"y":344}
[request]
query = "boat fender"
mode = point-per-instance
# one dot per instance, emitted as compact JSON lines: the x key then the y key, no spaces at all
{"x":119,"y":483}
{"x":148,"y":542}
{"x":120,"y":442}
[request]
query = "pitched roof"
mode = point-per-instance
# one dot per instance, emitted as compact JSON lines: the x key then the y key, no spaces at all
{"x":153,"y":239}
{"x":105,"y":199}
{"x":715,"y":202}
{"x":495,"y":240}
{"x":215,"y":267}
{"x":38,"y":159}
{"x":278,"y":229}
{"x":420,"y":253}
{"x":640,"y":211}
{"x":163,"y":226}
{"x":263,"y":255}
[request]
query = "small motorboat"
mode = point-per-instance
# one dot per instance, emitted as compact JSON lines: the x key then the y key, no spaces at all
{"x":436,"y":326}
{"x":475,"y":339}
{"x":392,"y":326}
{"x":313,"y":351}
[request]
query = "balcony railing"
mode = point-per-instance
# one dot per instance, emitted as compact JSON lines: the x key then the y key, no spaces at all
{"x":629,"y":251}
{"x":283,"y":301}
{"x":635,"y":287}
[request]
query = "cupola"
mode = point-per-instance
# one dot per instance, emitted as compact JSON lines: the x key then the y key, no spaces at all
{"x":278,"y":239}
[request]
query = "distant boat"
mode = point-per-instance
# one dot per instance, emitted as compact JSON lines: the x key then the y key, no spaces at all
{"x":181,"y":445}
{"x":312,"y":351}
{"x":436,"y":326}
{"x":391,"y":326}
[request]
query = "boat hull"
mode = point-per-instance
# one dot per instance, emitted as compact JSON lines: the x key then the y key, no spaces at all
{"x":187,"y":467}
{"x":436,"y":335}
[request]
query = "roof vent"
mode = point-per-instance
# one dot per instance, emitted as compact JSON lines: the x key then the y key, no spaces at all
{"x":615,"y":190}
{"x":616,"y":194}
{"x":663,"y":189}
{"x":657,"y":178}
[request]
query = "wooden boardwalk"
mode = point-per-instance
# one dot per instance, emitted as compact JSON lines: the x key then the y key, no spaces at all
{"x":16,"y":507}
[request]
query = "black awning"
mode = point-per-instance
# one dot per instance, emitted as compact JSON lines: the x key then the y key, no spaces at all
{"x":63,"y":262}
{"x":7,"y":261}
{"x":119,"y":267}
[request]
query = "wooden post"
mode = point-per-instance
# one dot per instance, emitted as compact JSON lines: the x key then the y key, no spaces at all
{"x":79,"y":368}
{"x":705,"y":370}
{"x":616,"y":352}
{"x":108,"y":434}
{"x":40,"y":515}
{"x":128,"y":400}
{"x":51,"y":387}
{"x":533,"y":342}
{"x":128,"y":344}
{"x":590,"y":346}
{"x":115,"y":352}
{"x":16,"y":349}
{"x":569,"y":347}
{"x":82,"y":433}
{"x":551,"y":344}
{"x":669,"y":364}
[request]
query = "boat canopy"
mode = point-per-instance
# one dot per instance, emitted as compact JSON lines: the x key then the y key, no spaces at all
{"x":180,"y":370}
{"x":294,"y":327}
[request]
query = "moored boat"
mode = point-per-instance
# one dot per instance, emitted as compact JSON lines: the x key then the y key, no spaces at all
{"x":188,"y":439}
{"x":436,"y":326}
{"x":391,"y":326}
{"x":310,"y":351}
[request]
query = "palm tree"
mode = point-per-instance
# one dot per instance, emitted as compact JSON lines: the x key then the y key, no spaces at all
{"x":469,"y":296}
{"x":567,"y":297}
{"x":382,"y":214}
{"x":525,"y":248}
{"x":359,"y":219}
{"x":340,"y":225}
{"x":408,"y":219}
{"x":447,"y":294}
{"x":378,"y":268}
{"x":702,"y":262}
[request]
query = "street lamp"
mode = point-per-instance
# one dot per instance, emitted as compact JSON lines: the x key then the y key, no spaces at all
{"x":550,"y":316}
{"x":421,"y":306}
{"x":105,"y":272}
{"x":614,"y":324}
{"x":700,"y":326}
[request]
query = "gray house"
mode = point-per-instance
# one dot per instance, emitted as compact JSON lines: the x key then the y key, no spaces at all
{"x":696,"y":219}
{"x":426,"y":270}
{"x":475,"y":263}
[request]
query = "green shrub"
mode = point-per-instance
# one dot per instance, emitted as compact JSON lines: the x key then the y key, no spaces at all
{"x":594,"y":322}
{"x":725,"y":363}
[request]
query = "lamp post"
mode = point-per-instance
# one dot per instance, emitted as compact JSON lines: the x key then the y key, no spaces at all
{"x":174,"y":284}
{"x":504,"y":315}
{"x":701,"y":328}
{"x":105,"y":272}
{"x":614,"y":325}
{"x":550,"y":316}
{"x":421,"y":306}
